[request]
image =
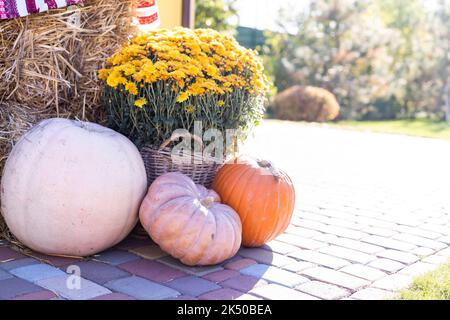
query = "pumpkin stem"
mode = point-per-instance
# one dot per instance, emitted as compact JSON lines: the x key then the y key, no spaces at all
{"x":207,"y":202}
{"x":269,"y":165}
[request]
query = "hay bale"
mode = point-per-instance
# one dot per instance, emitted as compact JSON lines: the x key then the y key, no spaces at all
{"x":307,"y":103}
{"x":49,"y":64}
{"x":52,"y":59}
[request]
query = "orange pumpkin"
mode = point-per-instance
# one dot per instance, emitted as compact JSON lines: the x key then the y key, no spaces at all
{"x":189,"y":222}
{"x":262,"y":195}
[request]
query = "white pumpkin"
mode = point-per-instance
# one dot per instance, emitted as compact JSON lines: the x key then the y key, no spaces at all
{"x":72,"y":187}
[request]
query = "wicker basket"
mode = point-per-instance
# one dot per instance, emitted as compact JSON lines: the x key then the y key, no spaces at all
{"x":159,"y":160}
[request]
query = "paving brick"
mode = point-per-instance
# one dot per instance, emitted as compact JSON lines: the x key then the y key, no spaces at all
{"x":7,"y":254}
{"x":422,"y":251}
{"x":149,"y":252}
{"x":436,"y":228}
{"x":40,"y":295}
{"x":131,"y":243}
{"x":418,"y":268}
{"x":309,"y":224}
{"x":279,"y":247}
{"x":343,"y":232}
{"x":87,"y":290}
{"x":436,"y":259}
{"x":387,"y":265}
{"x":323,"y":290}
{"x":54,"y":261}
{"x":388,"y":243}
{"x":298,"y":266}
{"x":373,"y":221}
{"x":364,"y":272}
{"x":384,"y":232}
{"x":222,"y":275}
{"x":225,"y":294}
{"x":5,"y":275}
{"x":192,"y":285}
{"x":141,"y":288}
{"x":393,"y":282}
{"x":445,"y":252}
{"x":316,"y":215}
{"x":444,"y":239}
{"x":420,"y":241}
{"x":183,"y":298}
{"x":302,"y":232}
{"x":36,"y":272}
{"x":114,"y":296}
{"x":248,"y":297}
{"x":418,"y":232}
{"x":372,"y":294}
{"x":277,"y":292}
{"x":229,"y":260}
{"x":319,"y":258}
{"x":13,"y":287}
{"x":239,"y":264}
{"x":401,"y":256}
{"x":275,"y":275}
{"x":243,"y":283}
{"x":197,"y":271}
{"x":351,"y":244}
{"x":340,"y":222}
{"x":404,"y":219}
{"x":116,"y":257}
{"x":100,"y":272}
{"x":300,"y":242}
{"x":348,"y":254}
{"x":152,"y":270}
{"x":335,"y":277}
{"x":13,"y":264}
{"x":264,"y":256}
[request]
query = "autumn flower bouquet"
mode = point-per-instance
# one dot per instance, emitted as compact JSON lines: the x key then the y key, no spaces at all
{"x":165,"y":80}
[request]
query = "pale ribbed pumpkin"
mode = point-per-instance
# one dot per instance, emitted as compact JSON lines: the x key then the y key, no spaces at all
{"x":189,"y":222}
{"x":262,"y":195}
{"x":72,"y":188}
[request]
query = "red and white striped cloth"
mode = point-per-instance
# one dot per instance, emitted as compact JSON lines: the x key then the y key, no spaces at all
{"x":10,"y":9}
{"x":147,"y":14}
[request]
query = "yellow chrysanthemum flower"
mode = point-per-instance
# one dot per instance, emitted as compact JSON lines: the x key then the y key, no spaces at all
{"x":140,"y":102}
{"x":199,"y":62}
{"x":131,"y":88}
{"x":183,"y":97}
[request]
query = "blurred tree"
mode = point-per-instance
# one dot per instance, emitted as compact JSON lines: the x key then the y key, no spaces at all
{"x":442,"y":46}
{"x":381,"y":58}
{"x":413,"y":62}
{"x":339,"y":45}
{"x":215,"y":14}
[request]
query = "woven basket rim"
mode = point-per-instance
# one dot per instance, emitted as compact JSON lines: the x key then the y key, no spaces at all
{"x":167,"y":153}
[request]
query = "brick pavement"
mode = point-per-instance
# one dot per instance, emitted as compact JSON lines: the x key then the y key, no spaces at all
{"x":372,"y":212}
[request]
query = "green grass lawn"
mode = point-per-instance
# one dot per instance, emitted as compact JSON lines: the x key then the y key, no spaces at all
{"x":421,"y":128}
{"x":434,"y":285}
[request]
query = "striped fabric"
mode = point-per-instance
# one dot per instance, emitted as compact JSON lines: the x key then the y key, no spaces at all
{"x":147,"y":14}
{"x":10,"y":9}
